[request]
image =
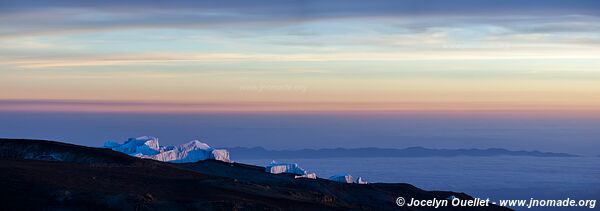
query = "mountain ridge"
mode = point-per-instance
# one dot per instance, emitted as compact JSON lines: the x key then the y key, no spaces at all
{"x":260,"y":152}
{"x":86,"y":178}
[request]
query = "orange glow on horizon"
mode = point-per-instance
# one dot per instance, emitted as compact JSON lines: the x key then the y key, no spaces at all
{"x":497,"y":109}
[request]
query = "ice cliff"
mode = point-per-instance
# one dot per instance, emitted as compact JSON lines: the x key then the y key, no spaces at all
{"x":148,"y":147}
{"x":347,"y":178}
{"x":292,"y":168}
{"x":278,"y":168}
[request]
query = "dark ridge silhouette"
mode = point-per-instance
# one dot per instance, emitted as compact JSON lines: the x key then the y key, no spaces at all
{"x":259,"y":152}
{"x":47,"y":175}
{"x":58,"y":151}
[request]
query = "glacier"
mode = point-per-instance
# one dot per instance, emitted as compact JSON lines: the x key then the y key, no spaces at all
{"x":311,"y":175}
{"x":148,"y":147}
{"x":345,"y":178}
{"x":360,"y":180}
{"x":195,"y":150}
{"x":292,"y":168}
{"x":278,"y":168}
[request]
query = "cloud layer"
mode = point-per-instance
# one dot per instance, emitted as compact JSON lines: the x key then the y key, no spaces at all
{"x":430,"y":52}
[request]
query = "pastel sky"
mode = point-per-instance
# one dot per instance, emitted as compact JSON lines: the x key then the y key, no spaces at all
{"x":493,"y":56}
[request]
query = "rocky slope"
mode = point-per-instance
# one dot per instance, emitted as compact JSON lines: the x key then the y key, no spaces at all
{"x":56,"y":176}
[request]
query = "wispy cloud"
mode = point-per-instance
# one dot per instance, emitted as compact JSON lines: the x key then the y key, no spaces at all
{"x":66,"y":16}
{"x":456,"y":51}
{"x":191,"y":58}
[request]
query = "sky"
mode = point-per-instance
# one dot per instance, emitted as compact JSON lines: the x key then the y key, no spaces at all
{"x":462,"y":58}
{"x":301,"y":55}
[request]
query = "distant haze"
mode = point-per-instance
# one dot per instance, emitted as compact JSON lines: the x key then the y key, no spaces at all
{"x":514,"y":74}
{"x":295,"y":131}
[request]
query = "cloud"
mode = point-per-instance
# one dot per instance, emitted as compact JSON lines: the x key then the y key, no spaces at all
{"x":67,"y":16}
{"x":402,"y":107}
{"x":292,"y":8}
{"x":458,"y":53}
